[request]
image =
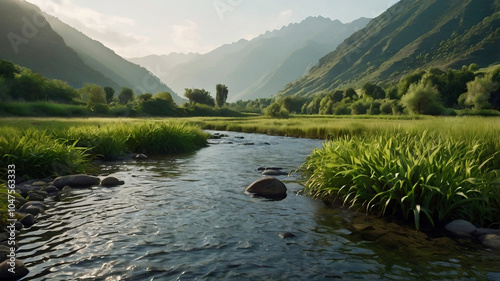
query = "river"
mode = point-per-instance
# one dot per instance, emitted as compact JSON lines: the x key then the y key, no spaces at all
{"x":186,"y":217}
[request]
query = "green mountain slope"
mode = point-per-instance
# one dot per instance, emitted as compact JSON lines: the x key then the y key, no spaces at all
{"x":28,"y":40}
{"x":106,"y":61}
{"x":410,"y":35}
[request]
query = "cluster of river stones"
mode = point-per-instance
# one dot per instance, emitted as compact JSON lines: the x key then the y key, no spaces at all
{"x":34,"y":192}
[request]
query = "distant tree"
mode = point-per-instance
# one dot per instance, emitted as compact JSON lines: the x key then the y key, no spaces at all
{"x":164,"y":96}
{"x":110,"y":93}
{"x":408,"y":80}
{"x":337,"y":95}
{"x":144,"y":97}
{"x":359,"y":107}
{"x":221,"y":94}
{"x":478,"y":93}
{"x":92,"y":94}
{"x":421,"y":98}
{"x":275,"y":110}
{"x":7,"y":69}
{"x":199,"y":96}
{"x":126,"y":95}
{"x":350,"y":93}
{"x":373,"y":91}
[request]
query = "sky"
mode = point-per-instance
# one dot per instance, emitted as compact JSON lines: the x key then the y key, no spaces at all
{"x":138,"y":28}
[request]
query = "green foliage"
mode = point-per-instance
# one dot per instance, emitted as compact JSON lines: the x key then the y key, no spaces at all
{"x":199,"y":96}
{"x":423,"y":177}
{"x":7,"y":69}
{"x":275,"y":110}
{"x":359,"y":107}
{"x":479,"y":92}
{"x":221,"y":94}
{"x":159,"y":107}
{"x":421,"y":98}
{"x":110,"y":93}
{"x":164,"y":96}
{"x":39,"y":154}
{"x":126,"y":95}
{"x":373,"y":91}
{"x":92,"y":94}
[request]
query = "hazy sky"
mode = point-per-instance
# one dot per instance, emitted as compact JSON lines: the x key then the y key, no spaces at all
{"x":138,"y":28}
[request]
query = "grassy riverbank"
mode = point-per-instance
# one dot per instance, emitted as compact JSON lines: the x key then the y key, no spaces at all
{"x":49,"y":147}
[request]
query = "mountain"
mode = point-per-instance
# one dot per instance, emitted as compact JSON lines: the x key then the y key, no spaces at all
{"x":260,"y":67}
{"x":410,"y":35}
{"x":28,"y":40}
{"x":106,"y":61}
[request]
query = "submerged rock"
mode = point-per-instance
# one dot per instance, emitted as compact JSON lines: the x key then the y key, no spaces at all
{"x":491,"y":241}
{"x":141,"y":156}
{"x":111,"y":181}
{"x":268,"y":187}
{"x":273,"y":172}
{"x":76,"y":181}
{"x":286,"y":234}
{"x":269,"y":168}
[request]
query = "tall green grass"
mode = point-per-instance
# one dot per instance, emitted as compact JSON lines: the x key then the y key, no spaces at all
{"x":60,"y":150}
{"x":423,"y":177}
{"x":38,"y":154}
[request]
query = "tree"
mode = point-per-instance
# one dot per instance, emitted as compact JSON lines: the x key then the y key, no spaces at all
{"x":7,"y":69}
{"x":110,"y":93}
{"x":373,"y":91}
{"x":199,"y":96}
{"x":478,"y":93}
{"x":350,"y":93}
{"x":144,"y":97}
{"x":164,"y":96}
{"x":92,"y":94}
{"x":221,"y":94}
{"x":126,"y":95}
{"x":422,"y":98}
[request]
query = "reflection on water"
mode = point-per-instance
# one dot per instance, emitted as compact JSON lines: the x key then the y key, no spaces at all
{"x":186,"y":217}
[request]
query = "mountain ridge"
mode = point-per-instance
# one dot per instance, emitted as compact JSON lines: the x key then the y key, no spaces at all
{"x":410,"y":35}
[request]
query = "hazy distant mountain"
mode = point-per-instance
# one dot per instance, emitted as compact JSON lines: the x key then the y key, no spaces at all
{"x":259,"y":67}
{"x":410,"y":35}
{"x":106,"y":61}
{"x":162,"y":65}
{"x":28,"y":40}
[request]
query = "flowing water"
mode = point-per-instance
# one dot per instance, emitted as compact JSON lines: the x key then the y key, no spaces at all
{"x":186,"y":217}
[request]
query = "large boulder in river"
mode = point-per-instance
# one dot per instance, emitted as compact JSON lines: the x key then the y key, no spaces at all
{"x":19,"y":270}
{"x":461,"y":228}
{"x":76,"y":181}
{"x":268,"y":187}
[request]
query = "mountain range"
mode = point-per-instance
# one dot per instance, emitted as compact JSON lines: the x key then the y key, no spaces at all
{"x":256,"y":68}
{"x":54,"y":49}
{"x":410,"y":35}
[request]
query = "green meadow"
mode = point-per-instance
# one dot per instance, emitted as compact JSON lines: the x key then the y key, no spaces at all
{"x":423,"y":170}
